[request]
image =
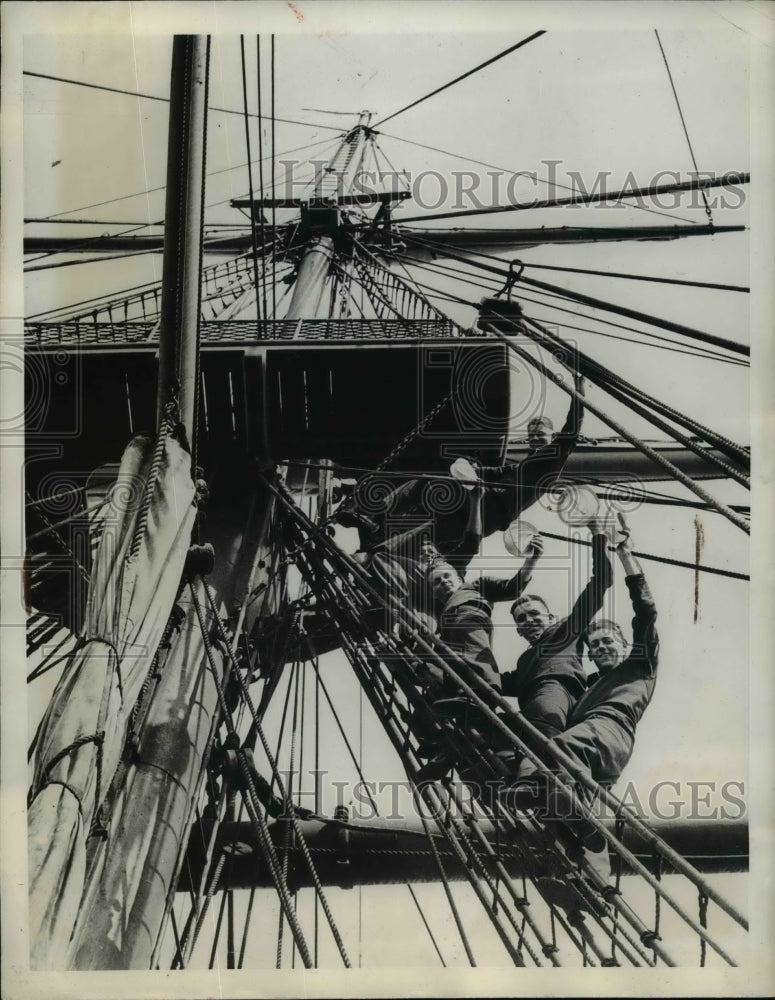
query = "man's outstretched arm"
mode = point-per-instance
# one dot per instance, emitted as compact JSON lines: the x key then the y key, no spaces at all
{"x":645,"y":640}
{"x":558,"y":450}
{"x":590,"y":601}
{"x":465,"y":550}
{"x":496,"y":589}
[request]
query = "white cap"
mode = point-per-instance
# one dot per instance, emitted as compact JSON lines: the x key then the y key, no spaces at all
{"x":462,"y":470}
{"x":517,"y":537}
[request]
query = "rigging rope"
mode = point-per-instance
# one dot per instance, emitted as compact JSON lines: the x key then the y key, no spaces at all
{"x":164,"y":100}
{"x":629,"y":276}
{"x":219,"y":800}
{"x":248,"y":701}
{"x":660,"y":559}
{"x":443,"y":270}
{"x":426,"y":925}
{"x":689,"y":350}
{"x":250,"y":795}
{"x":312,"y":656}
{"x":683,"y":123}
{"x":591,"y":301}
{"x":523,"y":173}
{"x":640,"y":277}
{"x":90,"y":260}
{"x":470,"y":72}
{"x":484,"y":698}
{"x":274,"y":168}
{"x":261,"y":172}
{"x":289,"y":791}
{"x":76,"y":516}
{"x":162,"y":187}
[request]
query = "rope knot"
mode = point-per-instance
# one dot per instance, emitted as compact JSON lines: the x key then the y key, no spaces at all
{"x":511,"y":279}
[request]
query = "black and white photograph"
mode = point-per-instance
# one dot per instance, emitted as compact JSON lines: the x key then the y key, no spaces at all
{"x":385,"y":387}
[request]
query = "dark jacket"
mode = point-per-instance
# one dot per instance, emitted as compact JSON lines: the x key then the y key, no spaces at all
{"x":513,"y":488}
{"x":624,"y":692}
{"x":557,"y":654}
{"x":510,"y":489}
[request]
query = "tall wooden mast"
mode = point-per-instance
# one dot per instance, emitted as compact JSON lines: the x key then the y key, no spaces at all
{"x":320,"y":216}
{"x":134,"y":870}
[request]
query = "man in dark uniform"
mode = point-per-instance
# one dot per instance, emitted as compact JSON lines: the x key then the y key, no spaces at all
{"x":465,"y":610}
{"x":549,"y":677}
{"x":601,"y":727}
{"x":509,"y":489}
{"x":600,"y":733}
{"x":514,"y":487}
{"x":464,"y":613}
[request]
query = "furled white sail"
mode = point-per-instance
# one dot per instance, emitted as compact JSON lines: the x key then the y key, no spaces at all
{"x":134,"y":583}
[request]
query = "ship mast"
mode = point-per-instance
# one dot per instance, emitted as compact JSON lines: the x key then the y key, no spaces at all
{"x":321,"y":218}
{"x":121,"y":918}
{"x":154,"y":798}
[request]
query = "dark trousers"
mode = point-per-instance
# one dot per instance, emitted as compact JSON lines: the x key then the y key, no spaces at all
{"x":600,"y":745}
{"x":548,"y":706}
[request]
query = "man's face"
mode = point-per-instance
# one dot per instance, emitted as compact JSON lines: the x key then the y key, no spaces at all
{"x":532,"y":619}
{"x":444,"y":581}
{"x":606,"y":649}
{"x":539,"y":432}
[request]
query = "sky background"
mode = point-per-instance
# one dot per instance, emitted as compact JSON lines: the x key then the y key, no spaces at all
{"x":598,"y":100}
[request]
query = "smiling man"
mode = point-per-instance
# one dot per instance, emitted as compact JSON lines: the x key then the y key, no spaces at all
{"x":465,"y":610}
{"x":549,"y":676}
{"x":600,"y":733}
{"x":601,"y":726}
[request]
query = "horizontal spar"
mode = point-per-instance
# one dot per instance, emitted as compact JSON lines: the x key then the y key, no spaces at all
{"x":500,"y":240}
{"x":390,"y":851}
{"x":458,"y":239}
{"x":597,"y":197}
{"x":131,"y":244}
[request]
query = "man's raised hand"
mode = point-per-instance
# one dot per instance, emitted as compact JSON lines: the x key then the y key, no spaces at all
{"x":624,"y":546}
{"x":602,"y":524}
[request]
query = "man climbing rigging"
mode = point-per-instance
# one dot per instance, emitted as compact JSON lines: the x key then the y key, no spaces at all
{"x":514,"y":487}
{"x":464,"y":613}
{"x":549,"y":677}
{"x":509,"y":489}
{"x":600,"y":732}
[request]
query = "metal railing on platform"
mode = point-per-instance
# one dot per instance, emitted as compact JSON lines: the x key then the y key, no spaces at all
{"x":78,"y":333}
